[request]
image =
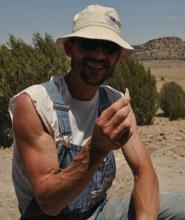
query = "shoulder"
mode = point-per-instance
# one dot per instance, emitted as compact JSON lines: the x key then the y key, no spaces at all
{"x":34,"y":94}
{"x":34,"y":98}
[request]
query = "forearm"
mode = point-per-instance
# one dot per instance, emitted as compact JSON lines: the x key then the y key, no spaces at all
{"x":59,"y":189}
{"x":146,"y":196}
{"x":146,"y":188}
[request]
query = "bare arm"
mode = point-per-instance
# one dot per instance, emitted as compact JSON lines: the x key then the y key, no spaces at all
{"x":146,"y":189}
{"x":54,"y":188}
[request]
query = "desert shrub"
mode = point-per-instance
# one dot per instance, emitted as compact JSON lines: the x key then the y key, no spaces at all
{"x":5,"y":124}
{"x":22,"y":65}
{"x":172,"y":100}
{"x":131,"y":74}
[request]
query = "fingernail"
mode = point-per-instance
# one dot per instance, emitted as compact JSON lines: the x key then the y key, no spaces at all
{"x":127,"y":94}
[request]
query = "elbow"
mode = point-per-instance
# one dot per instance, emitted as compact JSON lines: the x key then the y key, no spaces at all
{"x":148,"y":174}
{"x":48,"y":206}
{"x":49,"y":210}
{"x":47,"y":198}
{"x":154,"y":177}
{"x":156,"y":182}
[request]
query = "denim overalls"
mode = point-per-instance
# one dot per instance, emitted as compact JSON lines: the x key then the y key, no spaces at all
{"x":95,"y":191}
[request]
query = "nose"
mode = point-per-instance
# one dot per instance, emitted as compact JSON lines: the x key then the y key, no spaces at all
{"x":99,"y":53}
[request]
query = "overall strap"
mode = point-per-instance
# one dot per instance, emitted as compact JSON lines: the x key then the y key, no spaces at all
{"x":104,"y":101}
{"x":59,"y":106}
{"x":33,"y":211}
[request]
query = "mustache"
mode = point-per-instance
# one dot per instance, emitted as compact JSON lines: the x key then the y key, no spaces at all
{"x":94,"y":60}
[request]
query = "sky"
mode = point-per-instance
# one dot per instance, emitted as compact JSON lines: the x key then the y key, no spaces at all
{"x":142,"y":20}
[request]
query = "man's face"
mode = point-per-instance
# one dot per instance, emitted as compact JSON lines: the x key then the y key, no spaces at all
{"x":94,"y":60}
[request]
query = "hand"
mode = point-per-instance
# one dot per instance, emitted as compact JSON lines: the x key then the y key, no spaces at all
{"x":113,"y":127}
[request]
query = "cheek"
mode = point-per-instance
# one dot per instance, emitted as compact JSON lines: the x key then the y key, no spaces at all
{"x":77,"y":62}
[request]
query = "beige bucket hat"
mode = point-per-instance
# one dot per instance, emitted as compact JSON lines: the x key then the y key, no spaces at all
{"x":98,"y":22}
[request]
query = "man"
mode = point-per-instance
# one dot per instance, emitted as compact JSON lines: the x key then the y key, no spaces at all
{"x":66,"y":131}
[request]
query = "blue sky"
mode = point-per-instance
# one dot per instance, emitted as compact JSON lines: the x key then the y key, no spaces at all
{"x":142,"y":20}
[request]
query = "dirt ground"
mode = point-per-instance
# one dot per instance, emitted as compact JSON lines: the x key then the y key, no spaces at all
{"x":165,"y":141}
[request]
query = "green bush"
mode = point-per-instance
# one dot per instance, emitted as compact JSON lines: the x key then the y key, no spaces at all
{"x":5,"y":124}
{"x":131,"y":74}
{"x":22,"y":65}
{"x":172,"y":100}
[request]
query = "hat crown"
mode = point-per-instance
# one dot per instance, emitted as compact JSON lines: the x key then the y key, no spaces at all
{"x":98,"y":22}
{"x":96,"y":15}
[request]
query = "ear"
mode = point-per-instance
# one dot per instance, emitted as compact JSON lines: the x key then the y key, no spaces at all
{"x":118,"y":56}
{"x":68,"y":46}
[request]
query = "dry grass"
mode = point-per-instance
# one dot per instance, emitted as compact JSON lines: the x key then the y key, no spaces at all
{"x":167,"y":71}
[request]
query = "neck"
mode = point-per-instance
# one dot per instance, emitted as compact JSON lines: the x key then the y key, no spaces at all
{"x":79,"y":89}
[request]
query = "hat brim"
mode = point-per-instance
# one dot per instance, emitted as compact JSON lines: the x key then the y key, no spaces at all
{"x":100,"y":33}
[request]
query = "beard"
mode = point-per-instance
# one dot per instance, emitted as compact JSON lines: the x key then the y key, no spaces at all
{"x":94,"y":81}
{"x":92,"y":71}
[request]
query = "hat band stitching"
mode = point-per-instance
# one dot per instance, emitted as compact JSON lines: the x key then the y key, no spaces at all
{"x":97,"y":25}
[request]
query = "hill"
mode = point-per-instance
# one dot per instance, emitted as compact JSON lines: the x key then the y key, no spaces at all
{"x":161,"y":48}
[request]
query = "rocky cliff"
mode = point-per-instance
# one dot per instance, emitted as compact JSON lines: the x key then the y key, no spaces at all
{"x":161,"y":48}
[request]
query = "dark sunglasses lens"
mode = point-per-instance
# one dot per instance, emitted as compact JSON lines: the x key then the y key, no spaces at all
{"x":112,"y":48}
{"x":87,"y":44}
{"x":90,"y":45}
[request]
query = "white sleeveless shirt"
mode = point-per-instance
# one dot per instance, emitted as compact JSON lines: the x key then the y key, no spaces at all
{"x":82,"y":117}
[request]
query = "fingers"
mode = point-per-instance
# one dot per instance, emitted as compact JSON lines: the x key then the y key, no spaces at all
{"x":113,"y":127}
{"x":115,"y":107}
{"x":117,"y":127}
{"x":119,"y":132}
{"x":119,"y":120}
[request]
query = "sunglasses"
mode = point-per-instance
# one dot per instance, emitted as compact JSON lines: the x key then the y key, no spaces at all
{"x":91,"y":45}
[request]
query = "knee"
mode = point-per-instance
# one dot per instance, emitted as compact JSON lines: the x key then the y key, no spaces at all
{"x":173,"y":206}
